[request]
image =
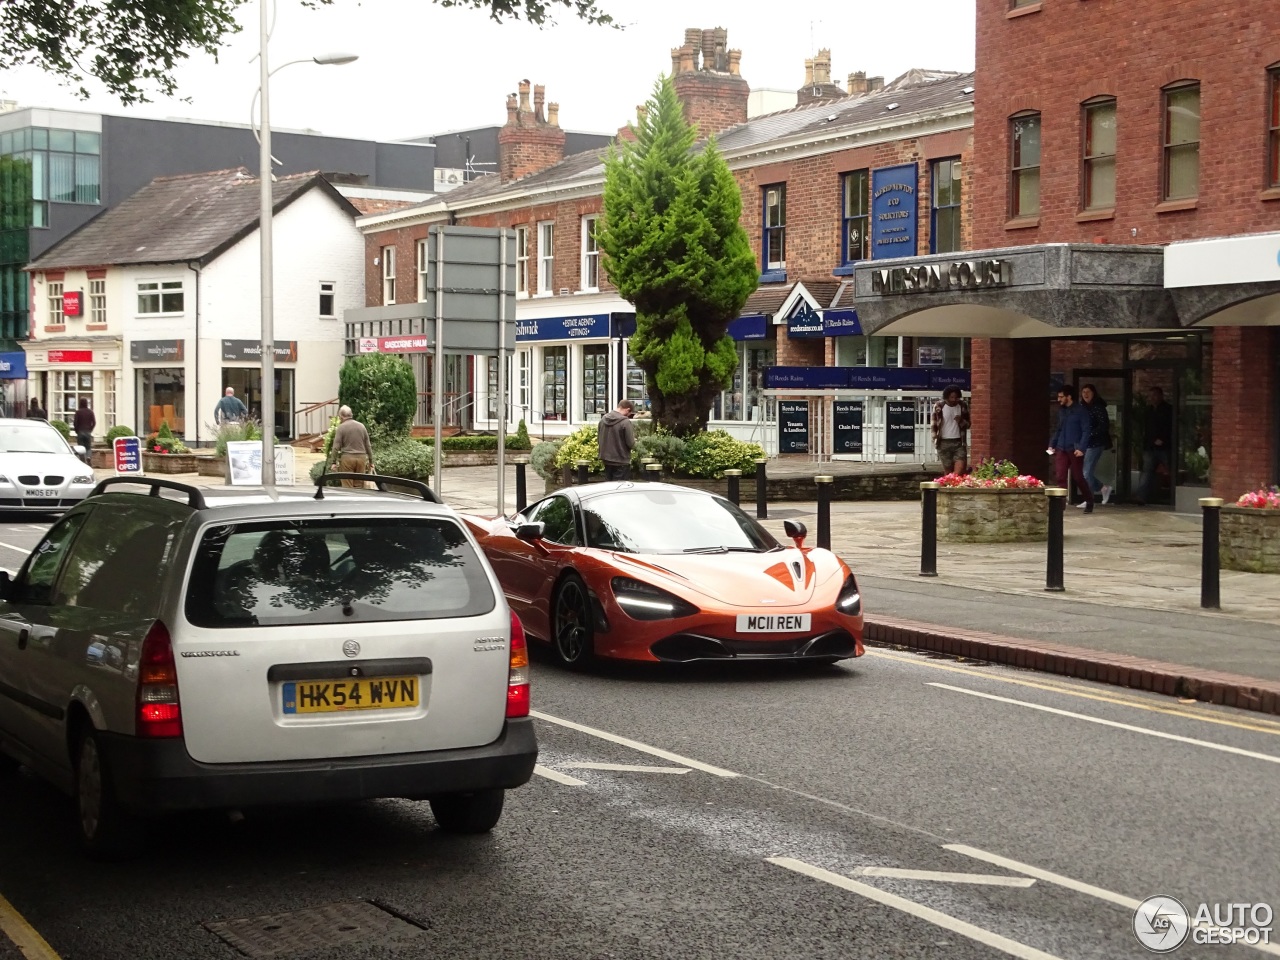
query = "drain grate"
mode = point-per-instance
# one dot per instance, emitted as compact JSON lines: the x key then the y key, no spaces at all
{"x":330,"y":925}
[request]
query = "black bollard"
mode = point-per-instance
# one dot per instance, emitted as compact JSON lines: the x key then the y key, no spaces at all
{"x":582,"y":470}
{"x":735,"y":479}
{"x":654,"y":472}
{"x":1210,"y":596}
{"x":824,"y":511}
{"x":566,"y":475}
{"x":522,"y":490}
{"x":1057,"y":508}
{"x":762,"y":503}
{"x":929,"y":528}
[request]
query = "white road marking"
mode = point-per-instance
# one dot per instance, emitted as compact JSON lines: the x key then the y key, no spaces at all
{"x":37,"y":528}
{"x":557,"y":776}
{"x":1119,"y":899}
{"x":623,"y":767}
{"x":938,"y":876}
{"x":1251,"y":754}
{"x":1012,"y":947}
{"x":9,"y":546}
{"x":637,"y":745}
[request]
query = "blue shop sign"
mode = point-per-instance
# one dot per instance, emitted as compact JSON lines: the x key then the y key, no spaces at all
{"x":591,"y":326}
{"x":865,"y":378}
{"x":841,"y":323}
{"x":13,"y":366}
{"x":803,"y":321}
{"x":751,"y":327}
{"x":893,"y":211}
{"x":806,"y":378}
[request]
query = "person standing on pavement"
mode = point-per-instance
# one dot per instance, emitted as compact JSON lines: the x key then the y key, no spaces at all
{"x":1157,"y":441}
{"x":1099,"y":439}
{"x":230,"y":409}
{"x":351,"y":452}
{"x":35,"y":411}
{"x":616,"y":437}
{"x":83,"y":424}
{"x":1070,"y":441}
{"x":950,"y":429}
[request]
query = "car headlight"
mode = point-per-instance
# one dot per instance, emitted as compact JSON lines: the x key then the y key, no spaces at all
{"x":643,"y":601}
{"x":84,"y":479}
{"x":849,"y":602}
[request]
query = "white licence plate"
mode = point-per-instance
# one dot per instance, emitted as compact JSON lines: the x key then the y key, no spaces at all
{"x":42,"y":493}
{"x":773,"y":622}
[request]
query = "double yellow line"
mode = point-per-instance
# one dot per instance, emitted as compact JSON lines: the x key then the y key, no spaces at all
{"x":29,"y":943}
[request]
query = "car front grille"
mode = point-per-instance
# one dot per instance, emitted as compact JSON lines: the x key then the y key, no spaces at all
{"x":685,"y":647}
{"x":53,"y":481}
{"x":30,"y":480}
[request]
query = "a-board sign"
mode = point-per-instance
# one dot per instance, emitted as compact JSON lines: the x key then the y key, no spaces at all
{"x":846,"y":426}
{"x":900,"y":426}
{"x":128,"y":456}
{"x":793,"y":426}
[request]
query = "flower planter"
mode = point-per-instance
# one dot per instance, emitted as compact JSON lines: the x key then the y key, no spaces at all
{"x":169,"y":462}
{"x":102,"y":458}
{"x":1249,"y":539}
{"x":975,"y":515}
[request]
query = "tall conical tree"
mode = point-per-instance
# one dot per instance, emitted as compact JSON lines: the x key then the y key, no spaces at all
{"x":673,"y":244}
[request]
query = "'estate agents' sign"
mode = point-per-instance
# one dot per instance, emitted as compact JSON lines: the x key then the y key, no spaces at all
{"x":804,"y":321}
{"x":900,"y":426}
{"x":128,"y":455}
{"x":793,"y":426}
{"x":592,"y":326}
{"x":893,"y":212}
{"x":846,"y":423}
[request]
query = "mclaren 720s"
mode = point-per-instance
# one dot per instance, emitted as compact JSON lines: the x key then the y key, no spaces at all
{"x":657,"y":572}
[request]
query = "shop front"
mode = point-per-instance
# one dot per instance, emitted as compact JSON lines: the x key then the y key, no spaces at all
{"x":63,"y":375}
{"x":13,"y":382}
{"x":242,"y":371}
{"x":160,"y":375}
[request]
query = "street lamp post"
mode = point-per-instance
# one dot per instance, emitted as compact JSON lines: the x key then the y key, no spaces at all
{"x":264,"y":236}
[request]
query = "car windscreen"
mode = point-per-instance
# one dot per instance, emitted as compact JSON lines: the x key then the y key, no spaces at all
{"x":670,"y":521}
{"x":335,"y":570}
{"x":21,"y":438}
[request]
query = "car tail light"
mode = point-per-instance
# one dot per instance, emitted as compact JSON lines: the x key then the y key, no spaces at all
{"x":159,"y":714}
{"x":518,"y":675}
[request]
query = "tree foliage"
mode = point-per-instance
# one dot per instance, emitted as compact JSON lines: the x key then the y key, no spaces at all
{"x":673,"y":244}
{"x":382,"y":393}
{"x":134,"y":46}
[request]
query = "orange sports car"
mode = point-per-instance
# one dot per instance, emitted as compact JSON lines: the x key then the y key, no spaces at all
{"x":653,"y":571}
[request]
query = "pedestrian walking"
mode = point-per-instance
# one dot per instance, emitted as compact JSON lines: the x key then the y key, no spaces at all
{"x":1157,"y":441}
{"x":35,"y":411}
{"x":951,"y":429}
{"x":1099,"y":440}
{"x":351,"y":451}
{"x":1070,"y":441}
{"x":616,"y":437}
{"x":230,"y":409}
{"x":83,"y":424}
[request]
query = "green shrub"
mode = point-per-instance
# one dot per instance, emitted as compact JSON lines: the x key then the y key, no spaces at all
{"x":665,"y":448}
{"x":63,"y":428}
{"x":328,"y":436}
{"x":482,"y":441}
{"x":404,"y":458}
{"x":235,"y":430}
{"x":521,"y":441}
{"x":163,"y":441}
{"x":543,"y":458}
{"x":120,"y":430}
{"x":381,"y":391}
{"x":990,"y":469}
{"x":582,"y":444}
{"x":712,"y":452}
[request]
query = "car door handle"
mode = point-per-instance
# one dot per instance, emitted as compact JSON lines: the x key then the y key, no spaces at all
{"x":23,"y":637}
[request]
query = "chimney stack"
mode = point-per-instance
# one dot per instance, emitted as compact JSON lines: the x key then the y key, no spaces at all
{"x":529,"y":142}
{"x":822,"y":67}
{"x":874,"y":84}
{"x":511,"y":109}
{"x":858,"y":83}
{"x":524,"y":96}
{"x":808,"y":72}
{"x":553,"y":114}
{"x":713,"y":92}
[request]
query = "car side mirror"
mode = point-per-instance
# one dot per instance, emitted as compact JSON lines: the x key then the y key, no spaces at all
{"x":6,"y":585}
{"x":796,"y":530}
{"x":530,"y":532}
{"x":80,"y":450}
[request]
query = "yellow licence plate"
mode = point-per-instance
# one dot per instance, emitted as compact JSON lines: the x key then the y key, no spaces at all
{"x":337,"y":696}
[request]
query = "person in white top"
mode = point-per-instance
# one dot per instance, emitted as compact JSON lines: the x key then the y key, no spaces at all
{"x":951,"y":430}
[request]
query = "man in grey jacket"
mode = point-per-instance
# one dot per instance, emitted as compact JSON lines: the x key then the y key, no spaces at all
{"x":616,"y":435}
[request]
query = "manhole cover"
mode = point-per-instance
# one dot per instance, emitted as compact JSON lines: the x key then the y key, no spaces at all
{"x":333,"y":924}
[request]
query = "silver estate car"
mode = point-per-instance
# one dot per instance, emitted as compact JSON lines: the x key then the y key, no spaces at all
{"x":171,"y":648}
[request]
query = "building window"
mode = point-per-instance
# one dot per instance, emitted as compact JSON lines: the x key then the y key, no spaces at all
{"x":327,"y":299}
{"x":775,"y":228}
{"x":1024,"y":187}
{"x":595,"y":381}
{"x":388,"y":275}
{"x":745,"y":399}
{"x":65,"y":165}
{"x":590,"y":255}
{"x":634,"y":387}
{"x":1273,"y":126}
{"x":160,"y":297}
{"x":55,"y":304}
{"x":523,"y":363}
{"x":107,"y":415}
{"x":546,"y":258}
{"x":423,"y":265}
{"x":67,"y":388}
{"x":1099,"y":176}
{"x":1182,"y":142}
{"x":491,"y":384}
{"x":944,"y":231}
{"x":98,"y":302}
{"x":857,"y":217}
{"x":522,"y":261}
{"x":555,"y":383}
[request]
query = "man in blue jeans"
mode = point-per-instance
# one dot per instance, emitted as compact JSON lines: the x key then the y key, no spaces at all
{"x":1157,"y":441}
{"x":1070,"y":441}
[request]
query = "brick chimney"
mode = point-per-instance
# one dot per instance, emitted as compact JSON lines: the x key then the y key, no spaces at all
{"x":858,"y":83}
{"x":627,"y":132}
{"x":817,"y":81}
{"x":530,"y":141}
{"x":707,"y":78}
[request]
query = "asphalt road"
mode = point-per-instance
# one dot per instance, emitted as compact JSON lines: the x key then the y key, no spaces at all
{"x":754,"y":815}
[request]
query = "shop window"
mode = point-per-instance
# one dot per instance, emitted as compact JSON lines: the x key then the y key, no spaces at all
{"x":590,"y":255}
{"x":595,"y":381}
{"x":66,"y":387}
{"x":388,"y":275}
{"x":946,"y":352}
{"x":775,"y":233}
{"x":98,"y":302}
{"x":555,"y":383}
{"x":745,"y":401}
{"x":1182,"y":142}
{"x":55,"y":304}
{"x":327,"y":306}
{"x":634,"y":387}
{"x":107,"y":415}
{"x":491,"y":387}
{"x":546,"y":258}
{"x":944,"y":230}
{"x":522,"y":261}
{"x":162,"y":394}
{"x":1099,"y":174}
{"x":868,"y":351}
{"x":1024,"y":168}
{"x":856,"y":230}
{"x":523,"y":362}
{"x":156,"y":297}
{"x":1273,"y":126}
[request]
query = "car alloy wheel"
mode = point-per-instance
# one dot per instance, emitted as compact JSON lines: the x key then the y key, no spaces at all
{"x":574,"y":634}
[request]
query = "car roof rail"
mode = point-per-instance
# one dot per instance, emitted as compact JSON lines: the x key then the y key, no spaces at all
{"x":195,"y":499}
{"x":379,"y":481}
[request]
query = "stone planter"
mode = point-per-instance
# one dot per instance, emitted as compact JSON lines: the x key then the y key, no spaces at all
{"x":169,"y":462}
{"x":102,"y":458}
{"x":1249,"y":539}
{"x":967,"y":515}
{"x":211,"y":466}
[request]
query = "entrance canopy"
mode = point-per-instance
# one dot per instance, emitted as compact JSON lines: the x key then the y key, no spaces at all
{"x":1227,"y":281}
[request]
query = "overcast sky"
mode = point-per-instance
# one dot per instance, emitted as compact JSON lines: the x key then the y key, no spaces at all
{"x":424,"y":69}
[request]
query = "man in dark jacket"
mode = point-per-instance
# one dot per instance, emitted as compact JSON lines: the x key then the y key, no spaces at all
{"x":1070,"y":441}
{"x":84,"y":424}
{"x":616,"y":435}
{"x":1157,"y":441}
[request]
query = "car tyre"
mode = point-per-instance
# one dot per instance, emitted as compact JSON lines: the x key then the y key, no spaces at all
{"x":572,"y":623}
{"x":476,"y":812}
{"x":107,"y":831}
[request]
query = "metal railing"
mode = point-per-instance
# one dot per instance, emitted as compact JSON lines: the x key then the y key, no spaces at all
{"x":313,"y":418}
